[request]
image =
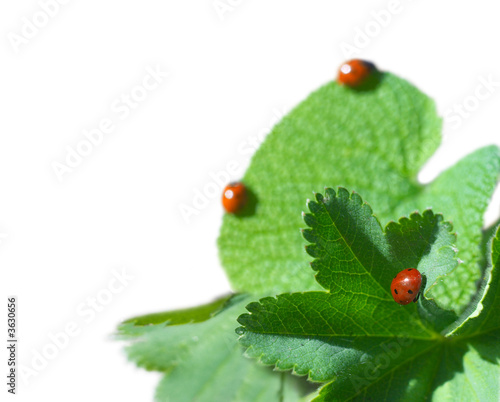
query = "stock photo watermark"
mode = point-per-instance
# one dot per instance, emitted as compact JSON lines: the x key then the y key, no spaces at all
{"x":85,"y":312}
{"x":202,"y":197}
{"x":224,"y":7}
{"x":464,"y":109}
{"x":364,"y":35}
{"x":12,"y":344}
{"x":121,"y":108}
{"x":30,"y":27}
{"x":375,"y":365}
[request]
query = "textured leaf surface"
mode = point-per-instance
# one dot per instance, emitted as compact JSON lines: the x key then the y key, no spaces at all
{"x":409,"y":381}
{"x":202,"y":360}
{"x":459,"y":371}
{"x":354,"y":340}
{"x":350,"y":247}
{"x":374,"y":142}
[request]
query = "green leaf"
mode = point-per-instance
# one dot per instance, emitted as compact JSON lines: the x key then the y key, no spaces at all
{"x":235,"y":379}
{"x":453,"y":370}
{"x":409,"y":381}
{"x":462,"y":370}
{"x":487,"y":236}
{"x":330,"y":335}
{"x":375,"y":142}
{"x":348,"y":241}
{"x":437,"y":317}
{"x":366,"y":348}
{"x":201,"y":359}
{"x":316,"y":335}
{"x":469,"y":368}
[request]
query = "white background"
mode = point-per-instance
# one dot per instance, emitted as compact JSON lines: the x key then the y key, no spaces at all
{"x":228,"y":78}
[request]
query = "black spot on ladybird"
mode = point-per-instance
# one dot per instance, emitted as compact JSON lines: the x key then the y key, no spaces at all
{"x":409,"y":269}
{"x":410,"y":292}
{"x":396,"y":291}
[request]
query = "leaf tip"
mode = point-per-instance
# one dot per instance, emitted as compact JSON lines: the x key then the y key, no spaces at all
{"x":330,"y":192}
{"x":342,"y":192}
{"x":319,"y":197}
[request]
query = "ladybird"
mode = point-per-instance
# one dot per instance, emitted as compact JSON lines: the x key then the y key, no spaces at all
{"x":354,"y":72}
{"x":234,"y":197}
{"x":405,"y":287}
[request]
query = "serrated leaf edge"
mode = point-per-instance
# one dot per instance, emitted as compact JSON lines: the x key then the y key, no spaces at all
{"x":329,"y":192}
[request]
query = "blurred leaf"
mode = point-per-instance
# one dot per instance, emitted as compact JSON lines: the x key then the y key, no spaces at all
{"x":201,"y":359}
{"x":175,"y":317}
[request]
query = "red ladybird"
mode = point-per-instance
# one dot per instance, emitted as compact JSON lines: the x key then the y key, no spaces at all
{"x":354,"y":72}
{"x":234,"y":197}
{"x":405,"y":286}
